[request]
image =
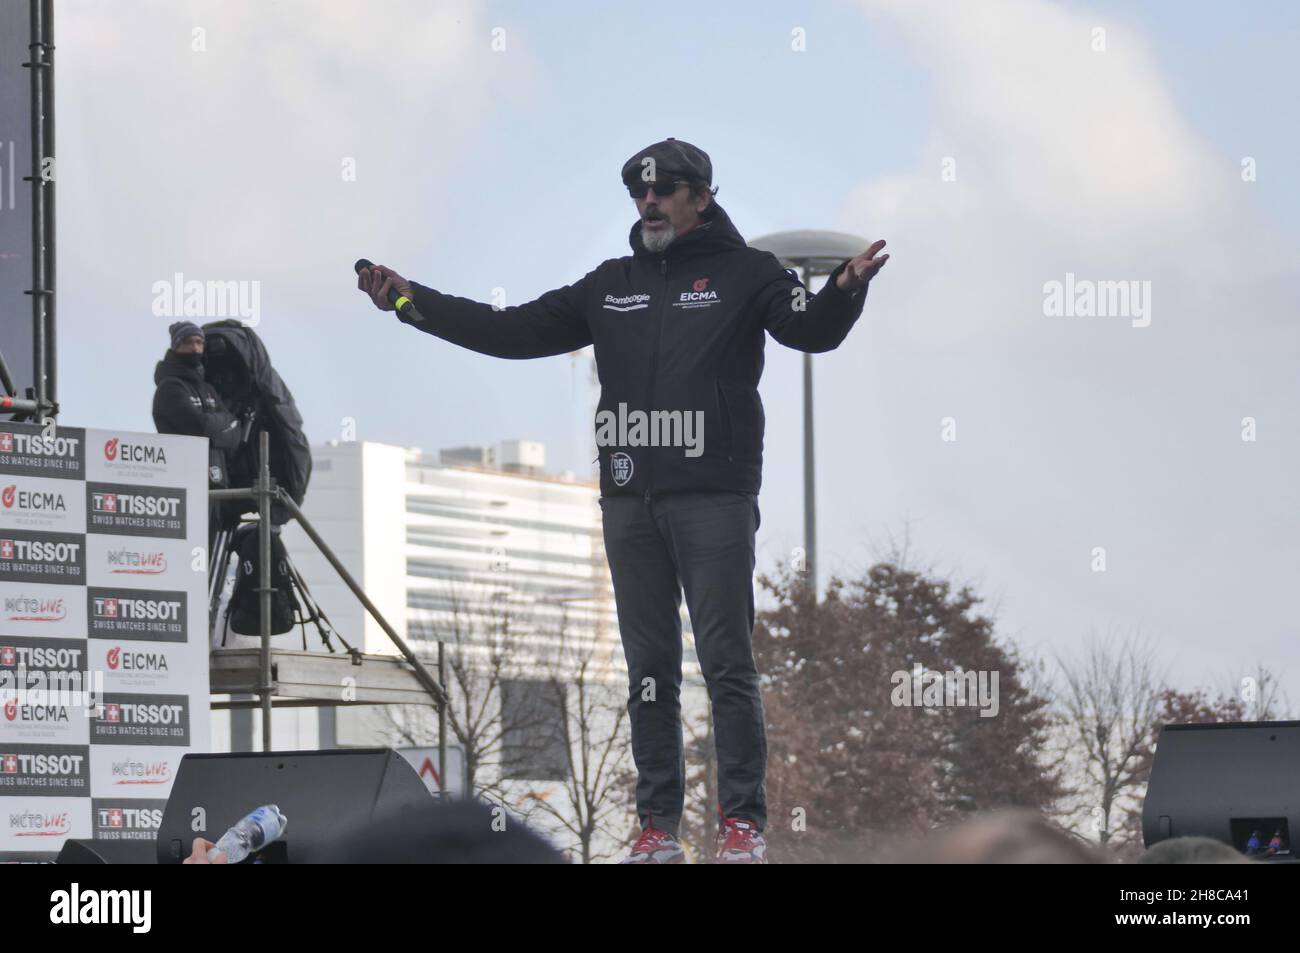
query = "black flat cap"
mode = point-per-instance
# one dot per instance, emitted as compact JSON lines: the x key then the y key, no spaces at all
{"x":674,"y":157}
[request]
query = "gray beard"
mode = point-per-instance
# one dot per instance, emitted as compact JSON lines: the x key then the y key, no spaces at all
{"x":656,"y":243}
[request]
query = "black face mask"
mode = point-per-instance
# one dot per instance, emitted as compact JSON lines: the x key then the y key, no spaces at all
{"x":191,"y":360}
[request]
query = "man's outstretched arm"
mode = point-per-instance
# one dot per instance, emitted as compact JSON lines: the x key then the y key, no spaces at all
{"x":551,"y":324}
{"x":821,"y":322}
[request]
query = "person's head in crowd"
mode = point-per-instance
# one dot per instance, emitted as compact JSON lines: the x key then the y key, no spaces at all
{"x":1012,"y":836}
{"x":187,"y":338}
{"x":1193,"y":850}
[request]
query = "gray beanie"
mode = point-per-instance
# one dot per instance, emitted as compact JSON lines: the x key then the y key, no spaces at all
{"x":182,"y":330}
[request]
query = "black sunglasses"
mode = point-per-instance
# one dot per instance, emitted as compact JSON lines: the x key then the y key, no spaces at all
{"x":638,"y":188}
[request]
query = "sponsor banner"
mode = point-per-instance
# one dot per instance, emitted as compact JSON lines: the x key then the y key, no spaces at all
{"x":139,"y":719}
{"x":27,"y":450}
{"x":145,"y":772}
{"x":45,"y":691}
{"x":30,"y":556}
{"x":141,"y":666}
{"x":42,"y":611}
{"x":139,"y":458}
{"x":142,"y":563}
{"x":41,"y":824}
{"x":44,"y":770}
{"x":51,"y":721}
{"x":137,"y":614}
{"x":124,"y":818}
{"x":40,"y":503}
{"x":125,"y":510}
{"x":103,"y":630}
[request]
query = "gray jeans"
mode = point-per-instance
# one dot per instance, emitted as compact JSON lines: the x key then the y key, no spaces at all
{"x":702,"y":543}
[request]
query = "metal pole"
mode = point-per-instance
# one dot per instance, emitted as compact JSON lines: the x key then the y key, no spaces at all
{"x":264,"y":581}
{"x":421,"y":673}
{"x":809,"y":467}
{"x":442,"y":721}
{"x":40,"y":289}
{"x":51,"y":333}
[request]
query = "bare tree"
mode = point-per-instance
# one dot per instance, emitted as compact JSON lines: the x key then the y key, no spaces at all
{"x":593,"y":810}
{"x":478,"y":654}
{"x":1111,"y":697}
{"x":699,"y":827}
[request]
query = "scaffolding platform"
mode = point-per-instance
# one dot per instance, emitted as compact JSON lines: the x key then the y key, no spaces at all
{"x":311,"y":679}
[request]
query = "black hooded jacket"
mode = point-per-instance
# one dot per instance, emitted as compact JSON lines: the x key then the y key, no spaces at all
{"x":185,"y":403}
{"x":676,"y":334}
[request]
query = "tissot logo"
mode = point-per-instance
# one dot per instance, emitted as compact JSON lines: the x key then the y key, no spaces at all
{"x":142,"y":610}
{"x":138,"y":719}
{"x":134,"y":713}
{"x":42,"y":765}
{"x":39,"y":551}
{"x":32,"y":556}
{"x":41,"y":654}
{"x":134,"y":504}
{"x":26,"y":450}
{"x":124,"y":510}
{"x":129,"y":817}
{"x":39,"y":444}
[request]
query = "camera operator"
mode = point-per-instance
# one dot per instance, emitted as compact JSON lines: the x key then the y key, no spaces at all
{"x":185,"y":403}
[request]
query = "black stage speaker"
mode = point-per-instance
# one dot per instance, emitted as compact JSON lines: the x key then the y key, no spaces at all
{"x":331,"y":799}
{"x":89,"y":851}
{"x":1226,"y":781}
{"x":364,"y":805}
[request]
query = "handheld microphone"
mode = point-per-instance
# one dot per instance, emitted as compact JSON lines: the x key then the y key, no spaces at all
{"x":402,"y":303}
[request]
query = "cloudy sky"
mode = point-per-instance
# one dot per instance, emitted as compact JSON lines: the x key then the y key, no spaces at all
{"x":998,"y":146}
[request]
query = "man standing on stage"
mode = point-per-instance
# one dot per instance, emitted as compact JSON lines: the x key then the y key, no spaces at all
{"x":678,"y":330}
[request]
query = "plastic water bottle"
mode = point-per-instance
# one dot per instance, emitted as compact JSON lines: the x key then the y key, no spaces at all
{"x":261,"y":827}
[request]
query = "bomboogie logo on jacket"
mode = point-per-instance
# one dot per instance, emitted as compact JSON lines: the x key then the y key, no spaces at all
{"x":632,"y":302}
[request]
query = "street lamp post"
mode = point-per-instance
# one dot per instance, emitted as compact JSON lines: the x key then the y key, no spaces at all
{"x":812,"y":254}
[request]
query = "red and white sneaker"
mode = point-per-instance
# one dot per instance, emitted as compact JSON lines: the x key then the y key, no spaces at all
{"x":739,"y":842}
{"x":655,"y":847}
